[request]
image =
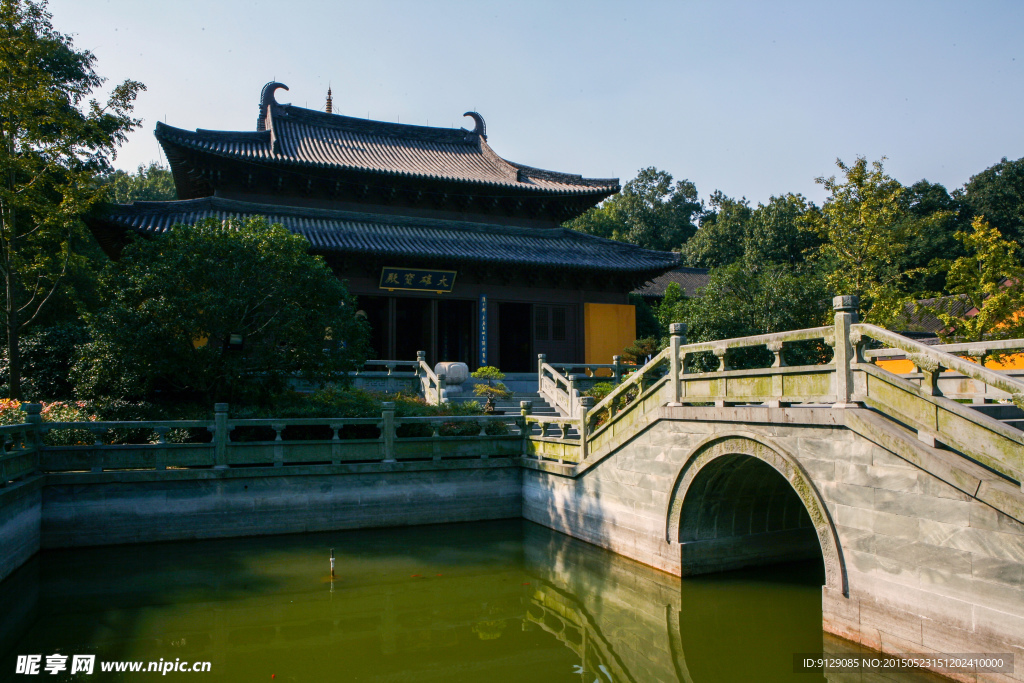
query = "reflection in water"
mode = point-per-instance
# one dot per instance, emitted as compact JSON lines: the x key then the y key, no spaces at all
{"x":495,"y":601}
{"x":746,"y":625}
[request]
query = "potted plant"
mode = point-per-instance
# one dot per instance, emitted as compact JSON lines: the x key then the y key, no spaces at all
{"x":493,"y":386}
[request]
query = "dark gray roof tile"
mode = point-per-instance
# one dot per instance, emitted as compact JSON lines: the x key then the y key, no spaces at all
{"x":423,"y":238}
{"x":297,"y":136}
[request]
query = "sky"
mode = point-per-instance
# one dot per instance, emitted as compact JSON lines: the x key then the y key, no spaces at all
{"x":751,"y":98}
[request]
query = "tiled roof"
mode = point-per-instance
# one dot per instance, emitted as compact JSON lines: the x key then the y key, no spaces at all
{"x":688,"y":279}
{"x":388,"y":235}
{"x":921,"y":320}
{"x":295,"y":136}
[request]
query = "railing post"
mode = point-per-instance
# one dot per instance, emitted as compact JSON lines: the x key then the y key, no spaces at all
{"x":442,"y":388}
{"x":846,"y":316}
{"x":220,"y":436}
{"x":387,"y":430}
{"x":617,"y":369}
{"x":525,"y":408}
{"x":421,"y":357}
{"x":34,"y":416}
{"x":586,"y":403}
{"x":570,"y":388}
{"x":541,"y":360}
{"x":677,"y":337}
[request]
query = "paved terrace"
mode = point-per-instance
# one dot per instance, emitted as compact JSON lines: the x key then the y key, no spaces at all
{"x":908,"y":487}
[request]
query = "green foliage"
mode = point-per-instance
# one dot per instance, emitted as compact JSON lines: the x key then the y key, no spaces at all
{"x":47,"y":356}
{"x":934,"y":218}
{"x":745,"y":299}
{"x":997,"y":193}
{"x":652,"y":211}
{"x":641,"y":350}
{"x":172,"y":304}
{"x":774,"y":235}
{"x":991,"y":280}
{"x":53,"y":141}
{"x":487,"y":372}
{"x":493,"y":387}
{"x":865,"y":231}
{"x":600,"y":390}
{"x":496,"y":389}
{"x":731,"y":230}
{"x":151,"y":183}
{"x":646,"y":322}
{"x":719,"y":241}
{"x":672,"y":309}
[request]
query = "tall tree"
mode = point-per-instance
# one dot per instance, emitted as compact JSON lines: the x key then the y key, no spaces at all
{"x":219,"y":310}
{"x":934,"y":219}
{"x":865,"y":236}
{"x":731,"y":230}
{"x":986,"y":288}
{"x":53,"y":141}
{"x":997,"y":193}
{"x":723,"y":229}
{"x":652,"y":211}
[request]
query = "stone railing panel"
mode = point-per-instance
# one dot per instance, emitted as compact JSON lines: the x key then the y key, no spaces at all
{"x":933,"y":361}
{"x":549,"y":439}
{"x":18,"y":452}
{"x":939,"y":419}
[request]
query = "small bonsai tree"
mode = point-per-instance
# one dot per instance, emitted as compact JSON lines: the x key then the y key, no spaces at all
{"x":493,"y":387}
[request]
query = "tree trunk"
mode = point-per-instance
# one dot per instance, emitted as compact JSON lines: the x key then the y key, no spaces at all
{"x":13,"y":352}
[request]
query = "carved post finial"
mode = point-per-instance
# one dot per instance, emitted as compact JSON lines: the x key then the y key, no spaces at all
{"x":848,"y":303}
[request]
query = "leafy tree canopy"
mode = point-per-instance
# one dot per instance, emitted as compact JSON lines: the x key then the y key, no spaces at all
{"x":652,"y":211}
{"x":719,"y":241}
{"x":53,"y":141}
{"x":219,"y":311}
{"x":990,"y":280}
{"x":731,"y":230}
{"x":744,"y":299}
{"x":866,"y":231}
{"x":997,"y":193}
{"x":151,"y":183}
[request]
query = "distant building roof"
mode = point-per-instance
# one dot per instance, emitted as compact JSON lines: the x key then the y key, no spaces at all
{"x":350,"y":232}
{"x":915,"y":319}
{"x":289,"y":137}
{"x":688,"y":279}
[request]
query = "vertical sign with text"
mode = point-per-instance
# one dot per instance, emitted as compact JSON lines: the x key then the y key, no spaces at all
{"x":483,"y":330}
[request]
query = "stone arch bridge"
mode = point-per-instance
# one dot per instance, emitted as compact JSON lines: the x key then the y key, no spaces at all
{"x":908,"y":487}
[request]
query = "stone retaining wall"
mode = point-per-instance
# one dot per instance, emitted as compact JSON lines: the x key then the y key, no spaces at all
{"x":20,"y":515}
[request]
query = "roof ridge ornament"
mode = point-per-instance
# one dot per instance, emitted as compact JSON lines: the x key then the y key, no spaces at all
{"x":266,"y":99}
{"x":480,"y":128}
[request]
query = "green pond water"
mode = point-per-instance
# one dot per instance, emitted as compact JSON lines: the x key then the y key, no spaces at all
{"x":492,"y":601}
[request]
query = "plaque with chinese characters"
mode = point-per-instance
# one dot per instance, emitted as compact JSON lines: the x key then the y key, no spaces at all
{"x":417,"y":280}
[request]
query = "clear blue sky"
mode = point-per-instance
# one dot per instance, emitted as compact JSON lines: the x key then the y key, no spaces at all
{"x":752,"y":98}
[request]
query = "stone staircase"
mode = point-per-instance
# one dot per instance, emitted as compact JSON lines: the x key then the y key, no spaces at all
{"x":1007,"y":413}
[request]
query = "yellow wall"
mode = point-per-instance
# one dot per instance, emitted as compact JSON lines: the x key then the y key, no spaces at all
{"x":903,"y":366}
{"x":607,"y":329}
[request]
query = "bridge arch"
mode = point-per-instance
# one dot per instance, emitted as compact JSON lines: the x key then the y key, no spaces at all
{"x":738,"y":489}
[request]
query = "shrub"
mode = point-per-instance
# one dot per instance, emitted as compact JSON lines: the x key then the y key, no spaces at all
{"x":600,"y":390}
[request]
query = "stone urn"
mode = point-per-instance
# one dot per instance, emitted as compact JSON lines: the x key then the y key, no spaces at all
{"x":456,"y":374}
